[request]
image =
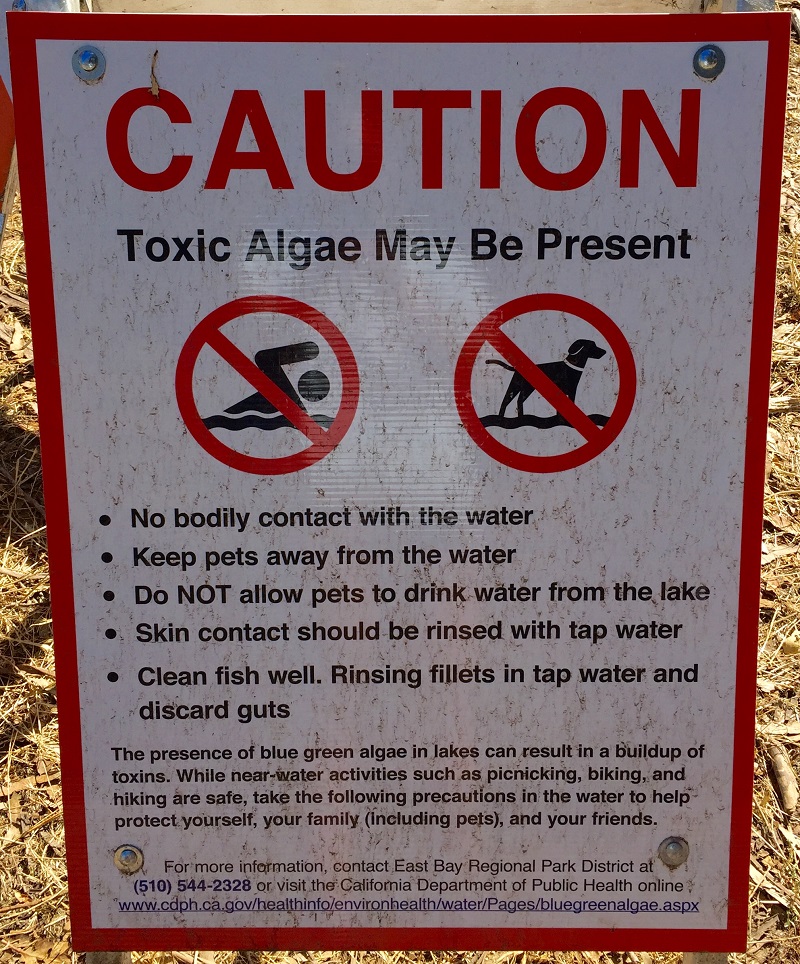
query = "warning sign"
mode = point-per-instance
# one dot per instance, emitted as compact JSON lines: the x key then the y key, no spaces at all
{"x":403,"y":436}
{"x":275,"y":403}
{"x":556,"y":381}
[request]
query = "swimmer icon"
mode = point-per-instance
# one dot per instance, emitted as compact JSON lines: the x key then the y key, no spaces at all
{"x":312,"y":386}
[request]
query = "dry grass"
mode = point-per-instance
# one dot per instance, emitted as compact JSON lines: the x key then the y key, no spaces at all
{"x":34,"y":924}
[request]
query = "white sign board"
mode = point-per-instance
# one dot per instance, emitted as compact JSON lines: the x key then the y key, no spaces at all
{"x":404,"y":390}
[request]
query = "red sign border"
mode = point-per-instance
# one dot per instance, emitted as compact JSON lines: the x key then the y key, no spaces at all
{"x":24,"y":32}
{"x":277,"y":304}
{"x":591,"y":448}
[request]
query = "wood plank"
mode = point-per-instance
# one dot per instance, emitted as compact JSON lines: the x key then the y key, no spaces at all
{"x":9,"y":188}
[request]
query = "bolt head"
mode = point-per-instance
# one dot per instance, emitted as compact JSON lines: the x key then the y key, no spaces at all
{"x":88,"y":60}
{"x":128,"y":859}
{"x":673,"y":851}
{"x":707,"y":58}
{"x":89,"y":64}
{"x":708,"y":62}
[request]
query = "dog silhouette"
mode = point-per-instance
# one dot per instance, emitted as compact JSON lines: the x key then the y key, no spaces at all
{"x":565,"y":374}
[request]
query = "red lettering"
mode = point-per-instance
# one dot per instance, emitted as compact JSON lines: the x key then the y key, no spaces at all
{"x":491,"y":102}
{"x":593,"y":154}
{"x":247,"y":117}
{"x":119,"y":154}
{"x":637,"y":113}
{"x":247,"y":106}
{"x":371,"y":143}
{"x":433,"y":104}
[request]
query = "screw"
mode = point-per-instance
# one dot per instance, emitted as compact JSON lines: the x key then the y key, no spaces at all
{"x":128,"y":859}
{"x":88,"y":63}
{"x":708,"y":62}
{"x":88,"y":60}
{"x":673,"y":851}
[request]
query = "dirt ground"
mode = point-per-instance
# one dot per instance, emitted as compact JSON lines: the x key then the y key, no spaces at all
{"x":34,"y":922}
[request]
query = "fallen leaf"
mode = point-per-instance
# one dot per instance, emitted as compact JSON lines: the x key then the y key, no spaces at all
{"x":784,"y":777}
{"x":770,"y":554}
{"x":18,"y":338}
{"x":791,"y":646}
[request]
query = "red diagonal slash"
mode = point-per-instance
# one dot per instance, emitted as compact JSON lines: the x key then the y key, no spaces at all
{"x":546,"y":388}
{"x":266,"y":387}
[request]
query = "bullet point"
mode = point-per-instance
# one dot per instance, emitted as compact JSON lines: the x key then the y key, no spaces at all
{"x":108,"y":595}
{"x":113,"y":677}
{"x":111,"y":634}
{"x":105,"y":520}
{"x":106,"y":557}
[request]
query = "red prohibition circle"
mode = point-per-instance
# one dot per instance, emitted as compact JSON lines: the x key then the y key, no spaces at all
{"x":489,"y":332}
{"x":209,"y":333}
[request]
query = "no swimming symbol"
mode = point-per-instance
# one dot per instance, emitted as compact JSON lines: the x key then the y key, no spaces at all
{"x":556,"y":381}
{"x":275,"y":402}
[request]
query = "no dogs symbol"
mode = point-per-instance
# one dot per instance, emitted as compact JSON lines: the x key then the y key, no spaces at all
{"x":273,"y":393}
{"x":540,"y":405}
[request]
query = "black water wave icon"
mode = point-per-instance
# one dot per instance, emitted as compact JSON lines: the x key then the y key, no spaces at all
{"x":252,"y":420}
{"x":535,"y":421}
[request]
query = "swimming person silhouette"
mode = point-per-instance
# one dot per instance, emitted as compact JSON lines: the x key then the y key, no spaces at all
{"x":312,"y":385}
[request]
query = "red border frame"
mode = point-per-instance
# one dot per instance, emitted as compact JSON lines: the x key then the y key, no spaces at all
{"x":24,"y":31}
